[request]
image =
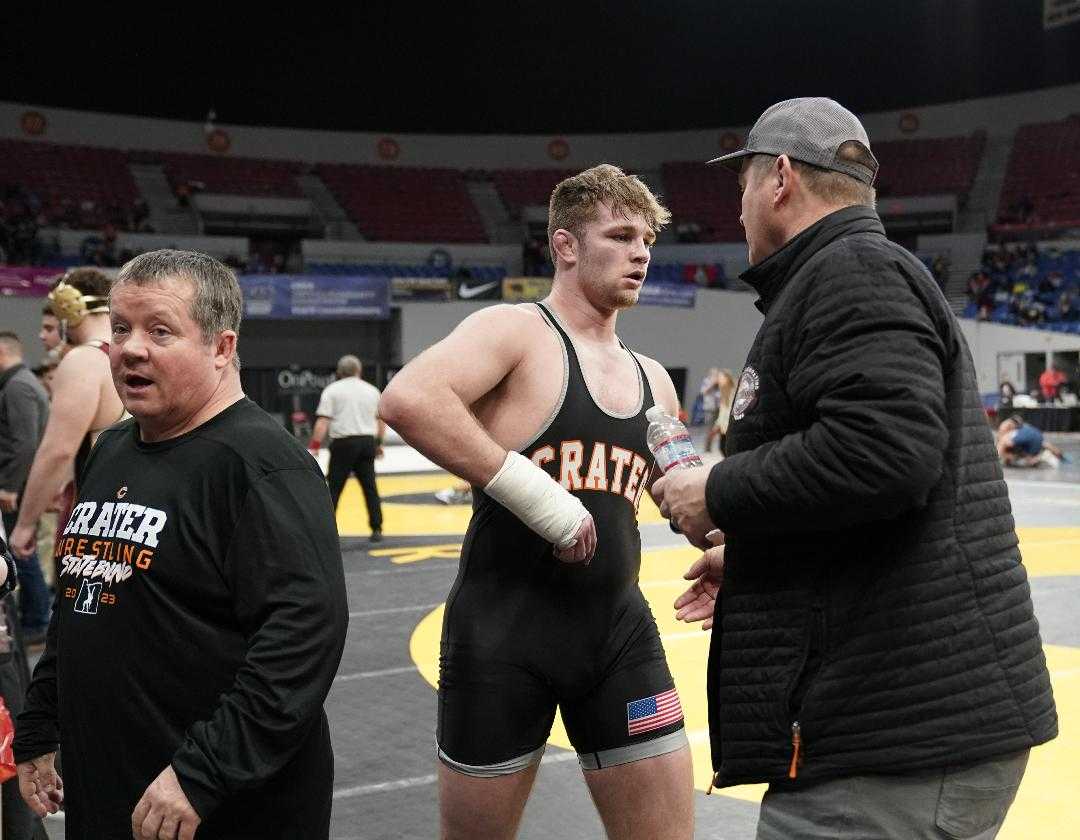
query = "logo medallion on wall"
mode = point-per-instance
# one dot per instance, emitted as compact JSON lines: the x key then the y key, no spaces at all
{"x":388,"y":148}
{"x":33,"y":123}
{"x":746,"y":395}
{"x":218,"y":141}
{"x":909,"y":122}
{"x":730,"y":141}
{"x":558,"y":149}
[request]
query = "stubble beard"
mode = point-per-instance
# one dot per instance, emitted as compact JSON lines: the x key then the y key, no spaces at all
{"x":605,"y":297}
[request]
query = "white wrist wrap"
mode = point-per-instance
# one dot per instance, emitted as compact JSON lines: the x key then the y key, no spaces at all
{"x":537,"y":499}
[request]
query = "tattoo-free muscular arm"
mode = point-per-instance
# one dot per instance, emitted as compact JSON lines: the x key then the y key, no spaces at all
{"x":76,"y":394}
{"x":428,"y":401}
{"x":663,"y":393}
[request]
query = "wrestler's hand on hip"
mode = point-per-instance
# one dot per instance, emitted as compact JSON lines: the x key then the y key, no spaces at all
{"x":164,"y":812}
{"x":584,"y":545}
{"x":40,"y":785}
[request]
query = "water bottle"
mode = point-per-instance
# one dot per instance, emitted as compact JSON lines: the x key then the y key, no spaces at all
{"x":669,"y":441}
{"x":671,"y":446}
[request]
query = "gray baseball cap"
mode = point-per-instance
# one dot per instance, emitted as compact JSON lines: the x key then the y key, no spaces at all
{"x":812,"y":130}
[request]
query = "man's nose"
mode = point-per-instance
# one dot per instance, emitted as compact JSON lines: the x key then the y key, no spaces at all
{"x":134,"y":346}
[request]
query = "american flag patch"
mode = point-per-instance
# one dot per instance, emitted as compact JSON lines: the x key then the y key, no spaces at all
{"x":653,"y":712}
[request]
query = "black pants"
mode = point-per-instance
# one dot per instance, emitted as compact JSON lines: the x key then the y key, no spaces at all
{"x":356,"y":455}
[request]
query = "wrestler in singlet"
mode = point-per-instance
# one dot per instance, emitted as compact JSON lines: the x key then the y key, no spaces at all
{"x":524,"y":634}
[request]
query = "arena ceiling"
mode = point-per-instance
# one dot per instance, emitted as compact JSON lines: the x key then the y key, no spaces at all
{"x":564,"y":66}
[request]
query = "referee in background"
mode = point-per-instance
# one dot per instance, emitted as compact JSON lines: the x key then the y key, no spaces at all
{"x":348,"y":411}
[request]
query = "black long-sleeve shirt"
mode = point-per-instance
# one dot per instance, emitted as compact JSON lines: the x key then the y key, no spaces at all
{"x":200,"y":619}
{"x":24,"y":411}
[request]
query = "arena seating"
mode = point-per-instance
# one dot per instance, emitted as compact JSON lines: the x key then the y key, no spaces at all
{"x":934,"y":166}
{"x":707,"y":195}
{"x":79,"y":186}
{"x":230,"y":175}
{"x":700,"y":274}
{"x":1027,"y":287}
{"x":403,"y":204}
{"x":1042,"y":182}
{"x":526,"y":187}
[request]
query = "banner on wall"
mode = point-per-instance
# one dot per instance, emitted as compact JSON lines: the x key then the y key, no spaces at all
{"x":27,"y":280}
{"x":315,"y":296}
{"x":421,"y":288}
{"x":525,"y":289}
{"x":668,"y":294}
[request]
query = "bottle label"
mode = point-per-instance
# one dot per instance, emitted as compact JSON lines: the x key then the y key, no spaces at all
{"x":676,"y":452}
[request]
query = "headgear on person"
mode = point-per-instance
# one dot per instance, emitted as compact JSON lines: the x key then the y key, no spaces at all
{"x":80,"y":292}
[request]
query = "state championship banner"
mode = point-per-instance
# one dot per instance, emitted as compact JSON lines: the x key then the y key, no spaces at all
{"x":668,"y":294}
{"x":525,"y":289}
{"x":315,"y":296}
{"x":421,"y":288}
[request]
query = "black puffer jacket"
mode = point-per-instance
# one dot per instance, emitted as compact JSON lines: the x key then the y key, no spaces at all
{"x":873,"y":590}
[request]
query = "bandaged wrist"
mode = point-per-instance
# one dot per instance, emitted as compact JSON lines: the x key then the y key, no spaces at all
{"x":537,"y":499}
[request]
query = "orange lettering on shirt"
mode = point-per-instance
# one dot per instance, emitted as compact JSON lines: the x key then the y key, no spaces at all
{"x":543,"y":455}
{"x":597,"y":476}
{"x":621,"y":457}
{"x":636,"y":469}
{"x":572,"y":454}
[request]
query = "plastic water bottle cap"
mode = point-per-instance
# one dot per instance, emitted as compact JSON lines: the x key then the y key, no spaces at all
{"x":656,"y":414}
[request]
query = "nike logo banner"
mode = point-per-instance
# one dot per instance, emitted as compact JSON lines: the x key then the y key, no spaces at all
{"x":480,"y":291}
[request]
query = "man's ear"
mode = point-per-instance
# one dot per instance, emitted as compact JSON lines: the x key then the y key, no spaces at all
{"x":224,"y":348}
{"x":564,"y":246}
{"x":784,"y":174}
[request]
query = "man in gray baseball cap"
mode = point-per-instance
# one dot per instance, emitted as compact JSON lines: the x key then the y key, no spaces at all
{"x":875,"y":657}
{"x":813,"y":130}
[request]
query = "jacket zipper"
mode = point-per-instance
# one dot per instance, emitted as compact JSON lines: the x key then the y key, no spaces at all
{"x":796,"y":750}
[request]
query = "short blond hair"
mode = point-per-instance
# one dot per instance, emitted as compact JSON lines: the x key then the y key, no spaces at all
{"x":833,"y":187}
{"x":574,"y":200}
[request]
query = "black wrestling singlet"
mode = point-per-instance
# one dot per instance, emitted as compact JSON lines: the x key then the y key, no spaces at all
{"x":523,"y":631}
{"x":604,"y":461}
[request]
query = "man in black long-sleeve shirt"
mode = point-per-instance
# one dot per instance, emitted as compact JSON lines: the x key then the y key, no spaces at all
{"x":201,"y":612}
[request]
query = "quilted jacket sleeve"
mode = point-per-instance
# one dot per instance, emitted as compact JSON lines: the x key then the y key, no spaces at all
{"x":864,"y":369}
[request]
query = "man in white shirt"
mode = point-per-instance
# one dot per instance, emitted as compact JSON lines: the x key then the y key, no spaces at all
{"x":348,"y":411}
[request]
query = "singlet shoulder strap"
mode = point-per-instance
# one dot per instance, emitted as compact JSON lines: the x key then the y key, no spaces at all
{"x":646,"y":389}
{"x":647,"y":398}
{"x":549,"y":316}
